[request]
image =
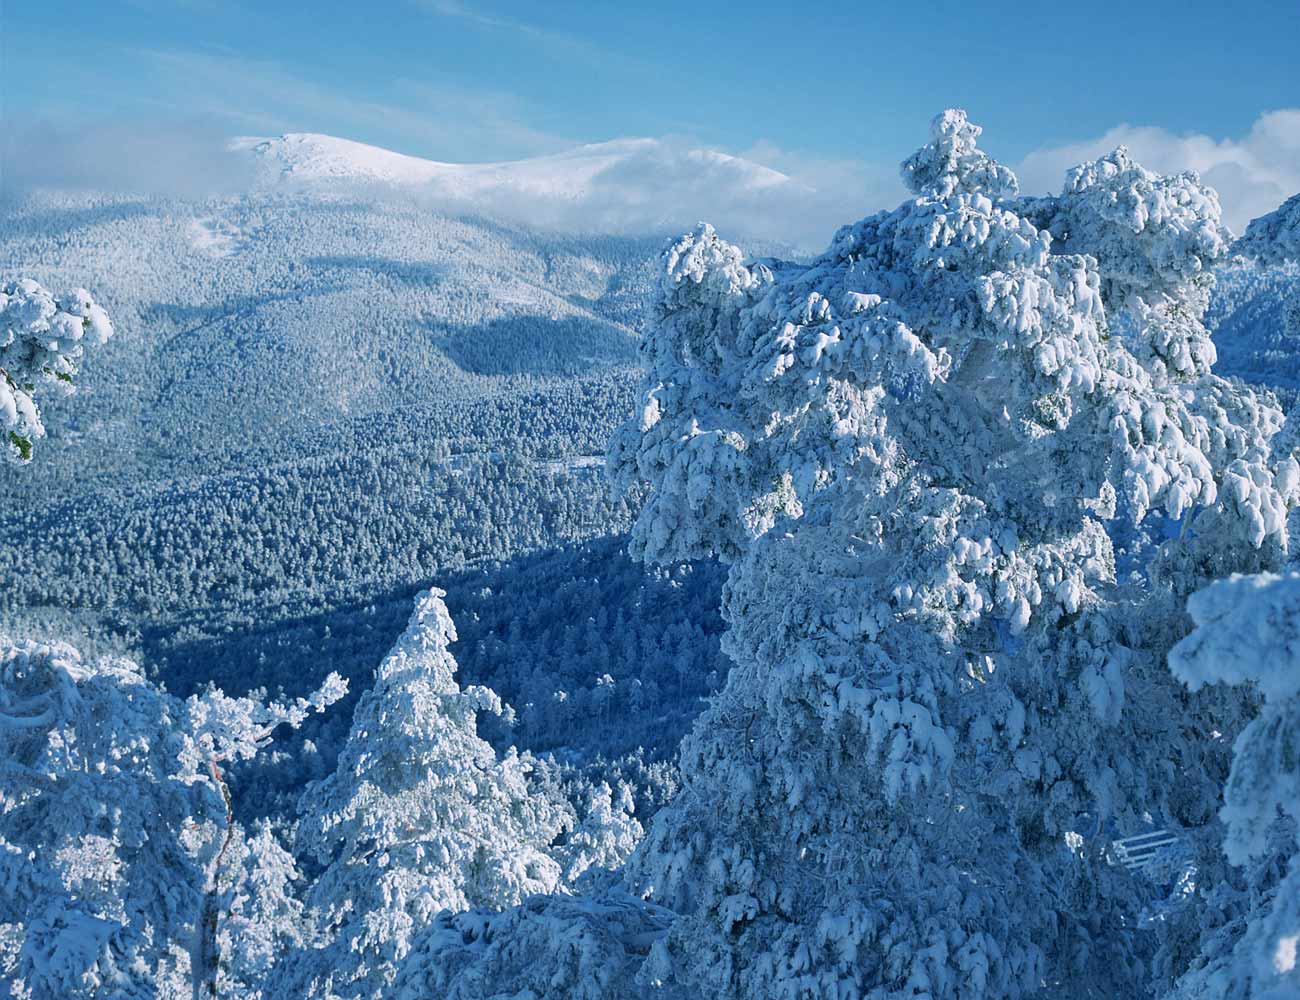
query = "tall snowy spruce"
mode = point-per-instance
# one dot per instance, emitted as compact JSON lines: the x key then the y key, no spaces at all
{"x":420,"y":816}
{"x":122,"y":873}
{"x":41,"y":340}
{"x":917,"y":453}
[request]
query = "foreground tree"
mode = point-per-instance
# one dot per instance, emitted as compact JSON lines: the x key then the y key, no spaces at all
{"x":1248,"y":633}
{"x":42,"y":338}
{"x":119,"y":858}
{"x":420,"y":816}
{"x":913,"y":452}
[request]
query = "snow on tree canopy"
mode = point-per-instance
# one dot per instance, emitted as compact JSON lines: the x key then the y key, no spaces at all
{"x":912,"y":450}
{"x":950,"y":162}
{"x":1274,"y":237}
{"x":1248,"y":630}
{"x":41,"y":340}
{"x":948,"y":350}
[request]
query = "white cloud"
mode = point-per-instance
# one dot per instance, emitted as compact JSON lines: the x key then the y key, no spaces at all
{"x":167,"y":157}
{"x":1253,"y":174}
{"x":847,"y":189}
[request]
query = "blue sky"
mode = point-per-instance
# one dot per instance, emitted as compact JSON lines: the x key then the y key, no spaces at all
{"x":828,"y":90}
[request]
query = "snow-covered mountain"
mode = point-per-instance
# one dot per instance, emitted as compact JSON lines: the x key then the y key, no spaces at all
{"x":575,"y":174}
{"x":625,"y":186}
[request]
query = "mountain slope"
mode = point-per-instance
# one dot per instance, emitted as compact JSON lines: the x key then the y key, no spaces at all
{"x":253,"y":320}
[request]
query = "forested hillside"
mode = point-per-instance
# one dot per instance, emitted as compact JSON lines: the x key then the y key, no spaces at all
{"x":314,"y":405}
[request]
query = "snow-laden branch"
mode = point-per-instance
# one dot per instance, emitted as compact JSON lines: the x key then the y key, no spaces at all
{"x":42,"y":339}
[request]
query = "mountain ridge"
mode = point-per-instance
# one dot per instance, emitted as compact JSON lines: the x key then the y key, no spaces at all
{"x":568,"y":175}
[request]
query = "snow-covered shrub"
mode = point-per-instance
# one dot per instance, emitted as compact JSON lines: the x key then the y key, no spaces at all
{"x":601,"y":945}
{"x":118,"y":856}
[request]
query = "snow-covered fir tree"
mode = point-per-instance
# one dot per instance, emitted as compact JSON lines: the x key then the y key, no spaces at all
{"x":42,"y":338}
{"x":420,"y":816}
{"x":1273,"y":240}
{"x":118,"y":855}
{"x":914,"y":452}
{"x":607,"y":835}
{"x":264,"y":919}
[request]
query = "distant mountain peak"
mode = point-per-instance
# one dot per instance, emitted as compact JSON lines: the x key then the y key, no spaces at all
{"x":567,"y":176}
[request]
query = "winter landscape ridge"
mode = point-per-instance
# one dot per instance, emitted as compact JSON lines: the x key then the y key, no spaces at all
{"x":635,"y":571}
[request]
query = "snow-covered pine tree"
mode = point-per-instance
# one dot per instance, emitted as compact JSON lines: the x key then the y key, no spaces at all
{"x":41,"y":340}
{"x":116,"y":844}
{"x":911,"y":451}
{"x":607,"y":835}
{"x":263,"y":918}
{"x":1248,"y":633}
{"x":420,"y":816}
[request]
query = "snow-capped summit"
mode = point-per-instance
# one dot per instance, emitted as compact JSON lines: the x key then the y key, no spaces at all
{"x":572,"y":175}
{"x":622,"y":186}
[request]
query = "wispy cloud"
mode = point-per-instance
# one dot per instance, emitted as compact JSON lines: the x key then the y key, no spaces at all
{"x":450,"y":8}
{"x":490,"y":118}
{"x":446,"y":123}
{"x":479,"y":17}
{"x":1253,"y":173}
{"x":172,"y":142}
